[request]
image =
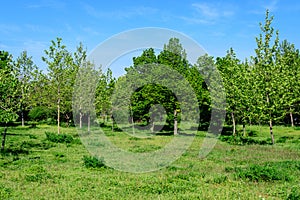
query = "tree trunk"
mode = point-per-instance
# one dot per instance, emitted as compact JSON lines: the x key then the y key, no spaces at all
{"x":3,"y":138}
{"x":233,"y":124}
{"x":22,"y":113}
{"x":58,"y":116}
{"x":112,"y":126}
{"x":22,"y":116}
{"x":271,"y":124}
{"x":152,"y":126}
{"x":89,"y":123}
{"x":292,"y":119}
{"x":80,"y":119}
{"x":244,"y":130}
{"x":271,"y":132}
{"x":67,"y":118}
{"x":175,"y":123}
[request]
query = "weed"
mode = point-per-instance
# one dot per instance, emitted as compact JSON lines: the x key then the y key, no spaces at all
{"x":295,"y":194}
{"x":93,"y":162}
{"x":59,"y":138}
{"x":241,"y":140}
{"x":262,"y":173}
{"x":37,"y":173}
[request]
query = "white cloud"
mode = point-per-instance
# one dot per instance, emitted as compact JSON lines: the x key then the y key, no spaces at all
{"x":206,"y":10}
{"x":8,"y":29}
{"x":47,"y":4}
{"x":262,"y":6}
{"x":272,"y":5}
{"x":208,"y":13}
{"x":129,"y":12}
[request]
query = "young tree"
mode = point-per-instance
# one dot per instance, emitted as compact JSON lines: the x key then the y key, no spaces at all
{"x":26,"y":72}
{"x":174,"y":56}
{"x":84,"y":94}
{"x":203,"y":64}
{"x":290,"y":67}
{"x":82,"y":66}
{"x":229,"y":67}
{"x":267,"y":74}
{"x":59,"y":63}
{"x":8,"y":93}
{"x":104,"y":91}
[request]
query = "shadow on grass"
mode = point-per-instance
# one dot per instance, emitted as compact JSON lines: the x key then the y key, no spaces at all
{"x":14,"y":151}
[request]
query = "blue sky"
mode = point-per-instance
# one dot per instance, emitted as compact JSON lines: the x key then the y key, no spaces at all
{"x":216,"y":25}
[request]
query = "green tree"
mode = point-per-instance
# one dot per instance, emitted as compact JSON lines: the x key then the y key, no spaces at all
{"x":229,"y":67}
{"x":197,"y":81}
{"x":267,"y":74}
{"x":84,"y":94}
{"x":8,"y":93}
{"x":26,"y":72}
{"x":104,"y":92}
{"x":289,"y":60}
{"x":60,"y":73}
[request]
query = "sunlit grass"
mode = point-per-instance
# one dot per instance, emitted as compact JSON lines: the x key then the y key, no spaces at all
{"x":35,"y":168}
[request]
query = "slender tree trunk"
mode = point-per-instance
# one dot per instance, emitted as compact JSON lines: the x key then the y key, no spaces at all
{"x":67,"y":118}
{"x":271,"y":132}
{"x":292,"y":118}
{"x":22,"y":112}
{"x":58,"y":110}
{"x":80,"y":119}
{"x":244,"y":130}
{"x":152,"y":126}
{"x":3,"y":138}
{"x":22,"y":116}
{"x":89,"y":123}
{"x":271,"y":123}
{"x":112,"y":126}
{"x":80,"y":115}
{"x":58,"y":116}
{"x":175,"y":123}
{"x":233,"y":124}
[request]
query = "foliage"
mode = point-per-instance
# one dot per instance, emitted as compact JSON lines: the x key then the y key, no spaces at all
{"x":295,"y":194}
{"x":63,"y":165}
{"x":27,"y":73}
{"x":93,"y":162}
{"x":241,"y":140}
{"x":262,"y":173}
{"x":59,"y":138}
{"x":8,"y":94}
{"x":40,"y":113}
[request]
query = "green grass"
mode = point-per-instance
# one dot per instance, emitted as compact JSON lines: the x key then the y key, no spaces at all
{"x":34,"y":167}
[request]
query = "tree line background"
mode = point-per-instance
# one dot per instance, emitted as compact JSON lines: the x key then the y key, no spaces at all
{"x":263,"y":89}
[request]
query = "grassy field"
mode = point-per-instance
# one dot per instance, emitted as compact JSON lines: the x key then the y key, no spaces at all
{"x":34,"y":167}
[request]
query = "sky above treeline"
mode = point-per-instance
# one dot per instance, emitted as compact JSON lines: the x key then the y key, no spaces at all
{"x":216,"y":25}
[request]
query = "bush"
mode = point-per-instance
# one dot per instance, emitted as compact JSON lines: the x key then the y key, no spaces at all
{"x":262,"y":173}
{"x":295,"y":194}
{"x":40,"y":113}
{"x":59,"y":138}
{"x":37,"y":173}
{"x":241,"y":140}
{"x":93,"y":162}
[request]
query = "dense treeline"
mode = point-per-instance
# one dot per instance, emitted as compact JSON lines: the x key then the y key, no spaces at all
{"x":263,"y":89}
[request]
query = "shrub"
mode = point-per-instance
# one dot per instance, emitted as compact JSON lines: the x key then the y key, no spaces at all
{"x":37,"y":173}
{"x":93,"y":162}
{"x":40,"y":113}
{"x":262,"y":173}
{"x":295,"y":194}
{"x":59,"y":138}
{"x":283,"y":139}
{"x":241,"y":140}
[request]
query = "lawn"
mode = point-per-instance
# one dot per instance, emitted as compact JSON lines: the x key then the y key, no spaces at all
{"x":34,"y":167}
